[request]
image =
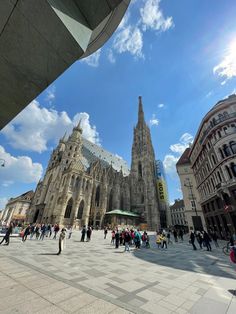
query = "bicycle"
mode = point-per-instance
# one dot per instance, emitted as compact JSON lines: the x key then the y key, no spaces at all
{"x":226,"y":248}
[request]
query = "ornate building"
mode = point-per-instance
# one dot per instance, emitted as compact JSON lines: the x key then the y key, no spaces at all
{"x":16,"y":208}
{"x":83,"y":182}
{"x":213,"y":161}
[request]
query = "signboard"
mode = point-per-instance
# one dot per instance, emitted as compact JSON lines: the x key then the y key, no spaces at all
{"x":161,"y":188}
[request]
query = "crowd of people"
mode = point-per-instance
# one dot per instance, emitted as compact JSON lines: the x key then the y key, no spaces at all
{"x":127,"y":237}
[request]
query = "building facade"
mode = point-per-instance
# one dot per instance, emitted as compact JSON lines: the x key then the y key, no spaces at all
{"x":16,"y":209}
{"x":193,"y":210}
{"x":83,"y":182}
{"x":177,"y":212}
{"x":213,"y":161}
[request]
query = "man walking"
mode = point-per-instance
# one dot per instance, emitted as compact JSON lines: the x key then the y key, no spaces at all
{"x":6,"y":238}
{"x":127,"y":239}
{"x":192,"y":240}
{"x":61,"y":240}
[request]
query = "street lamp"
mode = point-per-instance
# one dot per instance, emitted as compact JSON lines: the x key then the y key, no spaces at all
{"x":190,"y":187}
{"x":2,"y":162}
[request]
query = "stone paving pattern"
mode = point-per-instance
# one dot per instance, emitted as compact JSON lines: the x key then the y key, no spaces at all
{"x":94,"y":277}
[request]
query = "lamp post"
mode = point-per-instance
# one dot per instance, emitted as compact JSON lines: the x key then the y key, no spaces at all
{"x":190,"y":187}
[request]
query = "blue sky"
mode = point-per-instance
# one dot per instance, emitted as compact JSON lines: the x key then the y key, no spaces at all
{"x":180,"y":56}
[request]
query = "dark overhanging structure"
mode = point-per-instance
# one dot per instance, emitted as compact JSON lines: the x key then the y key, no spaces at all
{"x":40,"y":39}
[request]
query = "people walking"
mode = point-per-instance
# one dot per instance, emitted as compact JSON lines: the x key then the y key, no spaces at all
{"x":83,"y":232}
{"x":207,"y":240}
{"x":70,"y":233}
{"x":89,"y":232}
{"x":192,"y":240}
{"x":113,"y":236}
{"x":43,"y":232}
{"x":168,"y":238}
{"x":127,"y":239}
{"x":181,"y":234}
{"x":163,"y":240}
{"x":26,"y":233}
{"x":137,"y":239}
{"x":62,"y":240}
{"x":175,"y":235}
{"x":117,"y":237}
{"x":6,"y":238}
{"x":56,"y":230}
{"x":158,"y":240}
{"x":199,"y":237}
{"x":105,"y":232}
{"x":215,"y":239}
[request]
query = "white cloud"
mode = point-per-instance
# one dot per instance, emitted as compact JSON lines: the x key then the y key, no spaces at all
{"x":161,"y":105}
{"x":170,"y":164}
{"x":3,"y":202}
{"x":93,"y":59}
{"x":111,"y":56}
{"x":209,"y":94}
{"x":129,"y":39}
{"x":184,"y":142}
{"x":227,"y":67}
{"x":51,"y":94}
{"x":19,"y":169}
{"x":170,"y":160}
{"x":153,"y":18}
{"x":118,"y":156}
{"x":36,"y":126}
{"x":153,"y":120}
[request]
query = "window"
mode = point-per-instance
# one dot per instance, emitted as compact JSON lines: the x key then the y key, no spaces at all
{"x":232,"y":145}
{"x":68,"y":208}
{"x":140,"y":174}
{"x":97,"y":196}
{"x":213,"y":159}
{"x":80,"y":210}
{"x":228,"y":172}
{"x":226,"y":150}
{"x":219,"y":134}
{"x":221,"y":153}
{"x":219,"y":176}
{"x":233,"y":168}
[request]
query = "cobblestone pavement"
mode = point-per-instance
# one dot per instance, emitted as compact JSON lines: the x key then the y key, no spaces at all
{"x":94,"y":277}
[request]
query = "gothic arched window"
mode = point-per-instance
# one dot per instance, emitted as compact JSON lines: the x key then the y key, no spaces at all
{"x":140,"y":172}
{"x":226,"y":150}
{"x":232,"y":145}
{"x":80,"y":210}
{"x":110,"y":201}
{"x":68,"y":208}
{"x":97,"y":196}
{"x":229,"y":172}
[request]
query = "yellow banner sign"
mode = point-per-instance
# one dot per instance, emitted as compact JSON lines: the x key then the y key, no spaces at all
{"x":161,"y":188}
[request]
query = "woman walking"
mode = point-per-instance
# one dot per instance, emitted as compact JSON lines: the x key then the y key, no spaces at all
{"x":62,"y":240}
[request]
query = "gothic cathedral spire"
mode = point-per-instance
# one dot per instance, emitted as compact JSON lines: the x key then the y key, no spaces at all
{"x":143,"y":180}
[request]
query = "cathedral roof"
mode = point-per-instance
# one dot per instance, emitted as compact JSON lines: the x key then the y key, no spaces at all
{"x":92,"y":152}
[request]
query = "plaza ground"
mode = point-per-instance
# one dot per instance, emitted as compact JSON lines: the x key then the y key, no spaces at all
{"x":94,"y":277}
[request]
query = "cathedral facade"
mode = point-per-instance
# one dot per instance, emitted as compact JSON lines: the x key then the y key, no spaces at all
{"x":83,"y":182}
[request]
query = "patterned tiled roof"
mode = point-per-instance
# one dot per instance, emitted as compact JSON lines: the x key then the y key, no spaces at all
{"x":93,"y":152}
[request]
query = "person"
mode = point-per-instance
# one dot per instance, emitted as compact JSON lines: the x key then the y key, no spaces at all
{"x":37,"y":231}
{"x":158,"y":241}
{"x":163,"y":239}
{"x":168,"y":237}
{"x":147,"y":242}
{"x":199,"y":239}
{"x":32,"y":231}
{"x":43,"y":231}
{"x":215,"y":238}
{"x":192,"y":240}
{"x":117,"y":237}
{"x":56,"y":230}
{"x":181,"y":235}
{"x":89,"y":232}
{"x":207,"y":240}
{"x":6,"y":238}
{"x":61,"y":240}
{"x":137,"y":239}
{"x":127,"y":239}
{"x":175,"y":235}
{"x":113,"y":235}
{"x":83,"y":232}
{"x":105,"y":232}
{"x":70,"y":232}
{"x":26,"y":233}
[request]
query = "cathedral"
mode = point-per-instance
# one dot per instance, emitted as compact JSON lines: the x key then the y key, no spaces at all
{"x":86,"y":185}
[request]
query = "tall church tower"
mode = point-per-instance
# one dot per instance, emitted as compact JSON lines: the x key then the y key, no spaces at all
{"x":144,"y":199}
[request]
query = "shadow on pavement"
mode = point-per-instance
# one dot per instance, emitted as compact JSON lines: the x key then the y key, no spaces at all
{"x":182,"y":257}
